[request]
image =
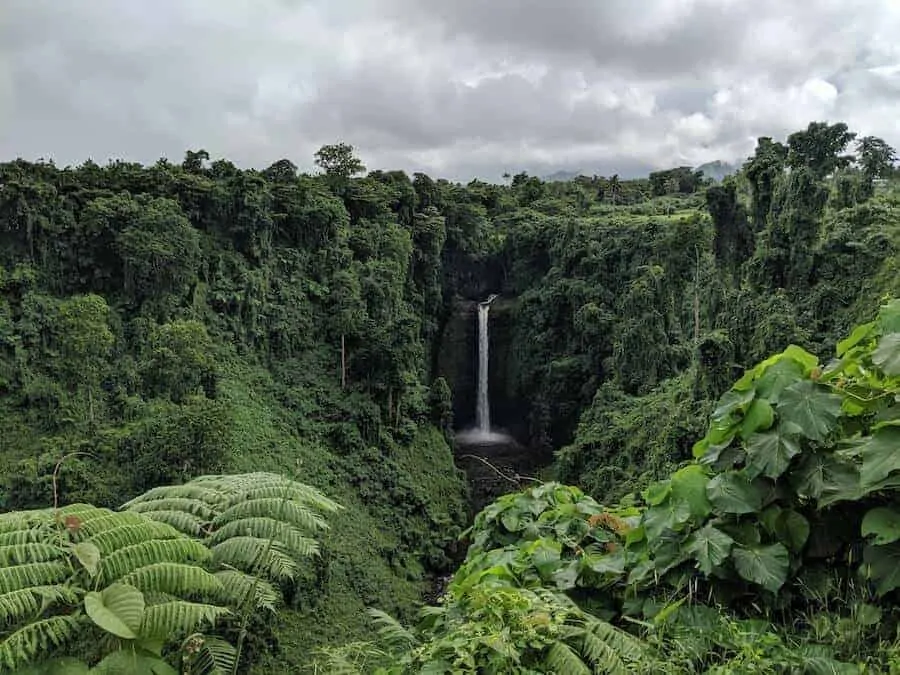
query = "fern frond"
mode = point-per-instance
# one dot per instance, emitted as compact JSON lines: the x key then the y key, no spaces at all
{"x":292,"y":512}
{"x":120,"y":537}
{"x":21,"y":520}
{"x":176,"y":578}
{"x":84,"y":512}
{"x":24,"y":536}
{"x":287,"y":535}
{"x":108,"y":521}
{"x":355,"y":658}
{"x":260,"y":485}
{"x":196,"y":507}
{"x":172,"y":618}
{"x":393,"y":633}
{"x":294,"y":492}
{"x":190,"y":490}
{"x":125,"y":560}
{"x":250,"y":553}
{"x":560,"y":658}
{"x":35,"y":640}
{"x":237,"y":587}
{"x":159,"y":598}
{"x":215,"y":656}
{"x":599,"y":637}
{"x":32,"y":574}
{"x":186,"y":523}
{"x":19,"y":554}
{"x":17,"y":606}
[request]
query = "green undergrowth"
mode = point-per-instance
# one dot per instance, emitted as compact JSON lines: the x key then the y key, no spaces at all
{"x":377,"y":550}
{"x":774,"y":550}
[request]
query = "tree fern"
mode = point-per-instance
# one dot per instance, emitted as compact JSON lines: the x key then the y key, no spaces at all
{"x":241,"y":589}
{"x":177,"y":617}
{"x":560,"y":658}
{"x":18,"y":554}
{"x":128,"y":535}
{"x":177,"y":579}
{"x":174,"y":560}
{"x":20,"y":605}
{"x":36,"y":638}
{"x":288,"y":537}
{"x":296,"y":513}
{"x":191,"y":505}
{"x":255,"y":555}
{"x":126,"y":560}
{"x":206,"y":655}
{"x":17,"y":577}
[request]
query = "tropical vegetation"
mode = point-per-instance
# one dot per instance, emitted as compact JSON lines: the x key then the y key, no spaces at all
{"x":199,"y":363}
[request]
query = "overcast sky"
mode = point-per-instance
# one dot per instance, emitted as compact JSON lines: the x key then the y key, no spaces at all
{"x":452,"y":87}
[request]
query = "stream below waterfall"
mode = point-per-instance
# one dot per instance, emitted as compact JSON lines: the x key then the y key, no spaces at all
{"x":494,"y":462}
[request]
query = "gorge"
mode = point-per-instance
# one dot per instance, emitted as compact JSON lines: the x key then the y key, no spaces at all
{"x":366,"y":337}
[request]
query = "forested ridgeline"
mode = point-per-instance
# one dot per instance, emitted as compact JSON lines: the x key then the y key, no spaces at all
{"x":163,"y":322}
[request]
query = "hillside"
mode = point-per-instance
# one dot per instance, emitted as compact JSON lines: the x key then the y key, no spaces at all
{"x":164,"y":322}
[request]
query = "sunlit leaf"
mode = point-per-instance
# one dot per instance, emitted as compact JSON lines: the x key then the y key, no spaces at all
{"x":759,"y":417}
{"x":118,"y":609}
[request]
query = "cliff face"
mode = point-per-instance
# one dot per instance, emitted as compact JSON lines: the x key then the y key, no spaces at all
{"x":457,"y":362}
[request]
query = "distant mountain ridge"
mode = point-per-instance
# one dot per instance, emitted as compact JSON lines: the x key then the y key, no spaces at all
{"x":716,"y":170}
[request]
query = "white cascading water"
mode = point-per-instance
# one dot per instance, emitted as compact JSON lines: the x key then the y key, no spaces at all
{"x":483,"y":409}
{"x":481,"y":433}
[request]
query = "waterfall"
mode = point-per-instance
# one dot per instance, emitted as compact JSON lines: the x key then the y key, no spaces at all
{"x":483,"y":411}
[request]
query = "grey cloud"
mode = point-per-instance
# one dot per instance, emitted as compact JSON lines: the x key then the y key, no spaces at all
{"x":462,"y":88}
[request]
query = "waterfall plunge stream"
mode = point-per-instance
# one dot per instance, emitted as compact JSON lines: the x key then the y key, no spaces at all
{"x":482,"y":432}
{"x":483,"y":411}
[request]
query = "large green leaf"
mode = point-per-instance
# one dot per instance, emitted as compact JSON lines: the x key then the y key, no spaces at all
{"x":732,"y":401}
{"x":825,"y":477}
{"x":879,"y":456}
{"x":770,"y":453}
{"x":710,"y":547}
{"x":856,"y":336}
{"x":801,"y":356}
{"x":130,"y":661}
{"x":884,"y":523}
{"x":672,"y":515}
{"x":811,"y":407}
{"x":777,"y":378}
{"x":889,"y":316}
{"x":792,"y":529}
{"x":732,"y":492}
{"x":117,"y":609}
{"x":766,"y":566}
{"x":88,"y":555}
{"x":759,"y":417}
{"x":689,"y":485}
{"x":887,"y":354}
{"x":882,"y":565}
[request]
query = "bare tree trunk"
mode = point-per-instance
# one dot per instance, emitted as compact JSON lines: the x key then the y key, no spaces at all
{"x":343,"y":363}
{"x":390,"y":402}
{"x":697,"y":299}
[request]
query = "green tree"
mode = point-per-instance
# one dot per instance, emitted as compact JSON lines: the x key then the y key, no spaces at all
{"x":819,"y":148}
{"x":339,"y":162}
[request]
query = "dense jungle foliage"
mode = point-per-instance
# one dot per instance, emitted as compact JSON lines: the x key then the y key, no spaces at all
{"x":167,"y":322}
